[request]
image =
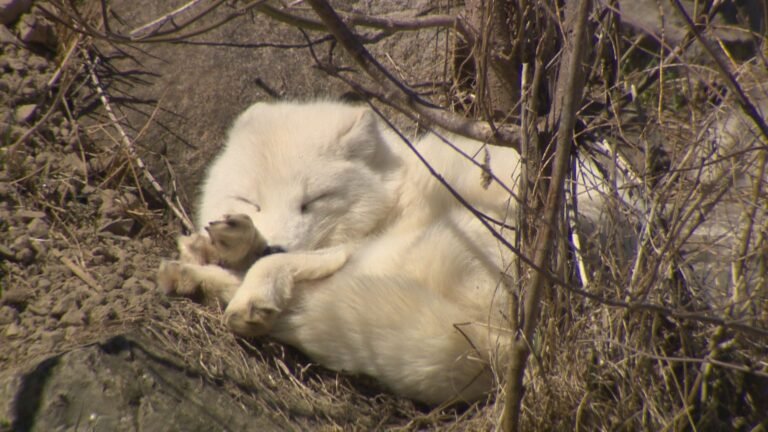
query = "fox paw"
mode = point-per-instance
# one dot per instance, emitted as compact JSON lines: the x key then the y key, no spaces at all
{"x":197,"y":249}
{"x":237,"y":242}
{"x":251,"y":319}
{"x":174,"y":278}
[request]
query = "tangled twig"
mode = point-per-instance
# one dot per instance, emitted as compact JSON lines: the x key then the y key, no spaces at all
{"x":129,"y":147}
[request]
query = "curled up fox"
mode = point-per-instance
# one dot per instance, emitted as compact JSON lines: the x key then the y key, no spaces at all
{"x":322,"y":229}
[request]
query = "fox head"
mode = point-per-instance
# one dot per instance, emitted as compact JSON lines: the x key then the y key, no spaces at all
{"x":309,"y":175}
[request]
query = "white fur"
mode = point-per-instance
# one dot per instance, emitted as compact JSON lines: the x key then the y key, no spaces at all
{"x":402,"y":283}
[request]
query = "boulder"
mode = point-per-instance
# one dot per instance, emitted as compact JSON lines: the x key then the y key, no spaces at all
{"x":10,"y":10}
{"x":125,"y":382}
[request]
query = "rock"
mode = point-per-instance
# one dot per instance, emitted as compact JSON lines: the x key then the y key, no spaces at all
{"x":24,"y":113}
{"x":34,"y":29}
{"x":138,"y":285}
{"x":74,"y":317}
{"x":125,"y":269}
{"x":65,"y":304}
{"x":71,"y":332}
{"x":113,"y":212}
{"x":126,"y":382}
{"x":41,"y":307}
{"x":10,"y":10}
{"x":101,"y":255}
{"x":44,"y":284}
{"x":121,"y":227}
{"x":51,"y":338}
{"x":8,"y":315}
{"x":16,"y":65}
{"x":13,"y":330}
{"x":94,"y":300}
{"x":6,"y":37}
{"x":23,"y":250}
{"x":111,"y":282}
{"x":16,"y":297}
{"x":26,"y":256}
{"x":29,"y":91}
{"x":7,"y":253}
{"x":148,"y":284}
{"x":37,"y":63}
{"x":75,"y":164}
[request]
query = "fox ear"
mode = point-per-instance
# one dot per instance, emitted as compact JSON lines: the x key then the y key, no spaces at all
{"x":361,"y":138}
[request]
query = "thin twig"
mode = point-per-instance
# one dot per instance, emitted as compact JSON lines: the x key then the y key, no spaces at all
{"x":709,"y":360}
{"x":80,"y":24}
{"x":78,"y":271}
{"x":167,"y":17}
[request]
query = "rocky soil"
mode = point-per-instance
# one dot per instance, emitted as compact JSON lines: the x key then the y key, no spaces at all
{"x":69,"y":264}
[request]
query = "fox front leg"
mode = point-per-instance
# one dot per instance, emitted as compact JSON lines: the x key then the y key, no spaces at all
{"x":205,"y":283}
{"x":268,"y":286}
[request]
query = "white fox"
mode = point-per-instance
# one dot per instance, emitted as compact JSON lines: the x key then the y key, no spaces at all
{"x":384,"y":272}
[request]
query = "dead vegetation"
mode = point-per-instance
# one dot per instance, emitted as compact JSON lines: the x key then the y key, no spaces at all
{"x":659,"y":321}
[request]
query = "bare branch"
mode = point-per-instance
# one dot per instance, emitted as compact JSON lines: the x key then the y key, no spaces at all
{"x":398,"y":22}
{"x":159,"y":22}
{"x":399,"y":94}
{"x":725,"y":72}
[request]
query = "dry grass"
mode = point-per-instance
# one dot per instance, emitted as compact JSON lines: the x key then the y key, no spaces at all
{"x":278,"y":380}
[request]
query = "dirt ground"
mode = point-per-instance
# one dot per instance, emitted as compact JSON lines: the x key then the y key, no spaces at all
{"x":76,"y":256}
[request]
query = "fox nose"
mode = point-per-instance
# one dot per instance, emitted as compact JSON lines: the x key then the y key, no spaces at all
{"x":273,"y":250}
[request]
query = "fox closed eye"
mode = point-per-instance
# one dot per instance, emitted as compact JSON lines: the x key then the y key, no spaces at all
{"x":249,"y":202}
{"x":307,"y":205}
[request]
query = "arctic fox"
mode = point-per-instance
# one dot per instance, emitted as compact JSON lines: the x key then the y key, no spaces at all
{"x":383,"y":273}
